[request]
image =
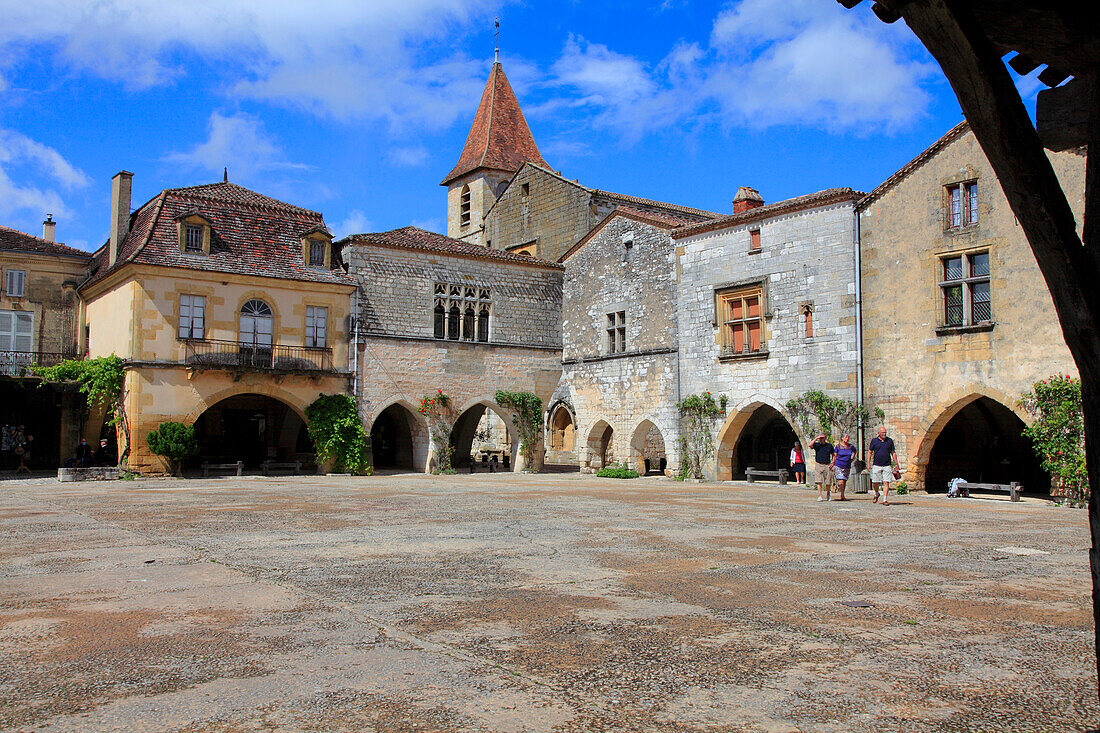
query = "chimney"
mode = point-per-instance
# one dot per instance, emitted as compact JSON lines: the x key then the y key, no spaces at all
{"x":120,"y":212}
{"x":48,"y":228}
{"x":747,"y":198}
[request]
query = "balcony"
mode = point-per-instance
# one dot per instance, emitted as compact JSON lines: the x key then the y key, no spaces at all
{"x":15,"y":363}
{"x":233,"y":355}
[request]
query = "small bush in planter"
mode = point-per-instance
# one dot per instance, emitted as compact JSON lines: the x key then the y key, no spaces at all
{"x":617,"y":472}
{"x":175,"y":442}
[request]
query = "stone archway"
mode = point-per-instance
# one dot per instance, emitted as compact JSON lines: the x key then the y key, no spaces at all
{"x":252,"y":428}
{"x":977,"y":437}
{"x":484,"y":432}
{"x":599,"y":448}
{"x":759,"y":435}
{"x":647,"y":449}
{"x":561,"y":436}
{"x":397,"y":439}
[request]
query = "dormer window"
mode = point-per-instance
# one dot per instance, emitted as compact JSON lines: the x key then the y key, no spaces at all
{"x":316,"y":253}
{"x":194,"y":233}
{"x":317,"y":248}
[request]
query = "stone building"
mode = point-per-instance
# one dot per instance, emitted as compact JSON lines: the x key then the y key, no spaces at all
{"x":958,"y":322}
{"x":766,"y":305}
{"x":230,"y":310}
{"x":39,"y":324}
{"x":437,"y":313}
{"x":617,"y":399}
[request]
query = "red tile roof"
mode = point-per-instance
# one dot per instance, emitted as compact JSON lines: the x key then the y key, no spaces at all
{"x":499,"y":138}
{"x":415,"y":238}
{"x":251,"y":234}
{"x":789,"y":206}
{"x":13,"y":240}
{"x":662,"y":220}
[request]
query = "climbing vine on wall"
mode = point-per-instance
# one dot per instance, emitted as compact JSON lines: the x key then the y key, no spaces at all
{"x":337,"y":433}
{"x":816,"y":412}
{"x":440,"y":414}
{"x":697,"y":415}
{"x":526,"y":410}
{"x":102,"y":381}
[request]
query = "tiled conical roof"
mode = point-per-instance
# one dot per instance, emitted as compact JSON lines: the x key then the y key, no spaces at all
{"x":499,"y":138}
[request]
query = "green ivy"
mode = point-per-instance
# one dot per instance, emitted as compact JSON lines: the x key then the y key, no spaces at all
{"x":816,"y":412}
{"x":337,"y":433}
{"x":697,"y":415}
{"x":526,"y":410}
{"x":175,"y":442}
{"x":622,"y":471}
{"x":1058,"y":432}
{"x":440,"y":414}
{"x":102,"y":381}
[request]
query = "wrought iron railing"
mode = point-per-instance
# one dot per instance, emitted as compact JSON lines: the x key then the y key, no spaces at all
{"x":15,"y":363}
{"x":235,"y":355}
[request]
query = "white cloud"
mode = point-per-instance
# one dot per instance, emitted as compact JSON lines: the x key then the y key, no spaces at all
{"x":411,"y":157}
{"x":29,"y":172}
{"x":356,"y":222}
{"x":239,"y":143}
{"x":365,"y":59}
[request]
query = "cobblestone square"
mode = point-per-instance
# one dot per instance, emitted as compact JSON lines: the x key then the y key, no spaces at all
{"x":546,"y":603}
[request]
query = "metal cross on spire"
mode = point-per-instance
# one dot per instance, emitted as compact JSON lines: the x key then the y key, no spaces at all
{"x":496,"y":34}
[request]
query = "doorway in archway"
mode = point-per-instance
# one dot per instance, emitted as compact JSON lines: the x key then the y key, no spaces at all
{"x":483,"y":435}
{"x":391,"y":438}
{"x":600,"y":445}
{"x":647,"y":449}
{"x":764,"y":443}
{"x":984,"y":443}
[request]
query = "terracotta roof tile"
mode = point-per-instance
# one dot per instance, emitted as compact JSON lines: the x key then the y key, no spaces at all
{"x":16,"y":241}
{"x":415,"y":238}
{"x":663,"y":220}
{"x":251,"y":234}
{"x":778,"y":208}
{"x":499,"y":137}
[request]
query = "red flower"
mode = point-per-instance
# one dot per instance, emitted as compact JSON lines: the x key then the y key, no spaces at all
{"x":439,"y":391}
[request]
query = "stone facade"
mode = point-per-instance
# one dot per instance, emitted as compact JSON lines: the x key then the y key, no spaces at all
{"x":625,"y":266}
{"x":481,"y":186}
{"x":400,"y":360}
{"x":805,"y":259}
{"x":924,"y":372}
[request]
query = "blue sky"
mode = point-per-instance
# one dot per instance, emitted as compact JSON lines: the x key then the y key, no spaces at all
{"x":358,"y":109}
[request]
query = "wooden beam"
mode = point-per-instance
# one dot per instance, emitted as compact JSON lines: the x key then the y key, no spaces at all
{"x":1062,"y":115}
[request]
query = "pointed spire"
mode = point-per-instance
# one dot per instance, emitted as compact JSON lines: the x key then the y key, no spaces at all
{"x":499,"y":139}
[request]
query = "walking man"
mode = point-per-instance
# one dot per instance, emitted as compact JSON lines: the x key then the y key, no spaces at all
{"x":882,"y":458}
{"x":823,"y":469}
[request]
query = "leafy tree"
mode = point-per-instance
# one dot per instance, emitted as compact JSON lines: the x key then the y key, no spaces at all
{"x":102,"y":381}
{"x":175,"y":442}
{"x":337,"y":433}
{"x":697,"y":416}
{"x":816,"y":412}
{"x":526,"y":410}
{"x":1058,"y":432}
{"x":440,"y":414}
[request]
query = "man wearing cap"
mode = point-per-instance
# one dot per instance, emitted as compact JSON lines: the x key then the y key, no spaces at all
{"x":823,"y":470}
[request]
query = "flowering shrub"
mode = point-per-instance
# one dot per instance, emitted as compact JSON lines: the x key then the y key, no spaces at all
{"x":1058,"y":432}
{"x":697,"y":416}
{"x":440,"y":414}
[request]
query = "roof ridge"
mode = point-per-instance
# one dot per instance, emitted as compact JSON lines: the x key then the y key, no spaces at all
{"x":628,"y":212}
{"x":45,"y":241}
{"x":824,"y":197}
{"x":916,"y":162}
{"x":277,"y":206}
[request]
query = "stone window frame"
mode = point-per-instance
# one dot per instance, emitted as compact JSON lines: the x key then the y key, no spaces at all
{"x":317,"y":236}
{"x":10,"y":278}
{"x":462,"y":312}
{"x":189,"y":319}
{"x":727,"y":292}
{"x":806,"y":312}
{"x":967,"y":283}
{"x":311,"y":332}
{"x":754,"y":242}
{"x":465,"y":206}
{"x":615,"y":330}
{"x":968,"y":212}
{"x":194,"y":218}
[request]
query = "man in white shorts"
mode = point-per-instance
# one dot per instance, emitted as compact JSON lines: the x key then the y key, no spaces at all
{"x":882,"y":458}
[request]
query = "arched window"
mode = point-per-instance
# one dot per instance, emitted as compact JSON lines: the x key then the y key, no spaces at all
{"x":464,"y":206}
{"x":257,"y":326}
{"x":468,"y":324}
{"x":483,"y":324}
{"x":440,"y":321}
{"x":453,"y":320}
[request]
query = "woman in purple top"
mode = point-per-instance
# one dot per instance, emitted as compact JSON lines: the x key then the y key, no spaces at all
{"x":842,"y":463}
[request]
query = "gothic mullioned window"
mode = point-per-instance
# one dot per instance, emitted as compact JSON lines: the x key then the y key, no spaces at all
{"x":966,"y":295}
{"x":461,"y":312}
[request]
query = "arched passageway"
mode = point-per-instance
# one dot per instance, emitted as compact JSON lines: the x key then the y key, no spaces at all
{"x":647,"y":449}
{"x":391,"y":438}
{"x":983,"y":442}
{"x":600,"y":446}
{"x":561,"y":438}
{"x":252,"y":428}
{"x":758,"y":436}
{"x":482,"y":434}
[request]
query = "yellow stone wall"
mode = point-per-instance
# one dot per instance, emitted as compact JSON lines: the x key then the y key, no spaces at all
{"x":919,"y":374}
{"x":50,"y":295}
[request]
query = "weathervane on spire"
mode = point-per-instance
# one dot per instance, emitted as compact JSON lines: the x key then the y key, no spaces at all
{"x":496,"y":34}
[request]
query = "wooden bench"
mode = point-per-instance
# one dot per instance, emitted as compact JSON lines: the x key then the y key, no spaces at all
{"x":751,"y":475}
{"x":269,"y":466}
{"x":1013,"y":489}
{"x":208,"y":467}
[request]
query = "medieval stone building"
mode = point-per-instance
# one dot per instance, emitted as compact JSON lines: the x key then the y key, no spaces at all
{"x":957,"y":320}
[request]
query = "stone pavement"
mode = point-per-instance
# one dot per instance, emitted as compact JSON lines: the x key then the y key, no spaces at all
{"x":508,"y":603}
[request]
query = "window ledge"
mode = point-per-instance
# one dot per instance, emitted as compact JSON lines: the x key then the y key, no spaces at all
{"x":962,"y":228}
{"x":754,"y":251}
{"x":973,"y":328}
{"x":749,"y":356}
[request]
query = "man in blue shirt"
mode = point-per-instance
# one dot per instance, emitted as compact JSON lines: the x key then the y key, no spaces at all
{"x":823,"y":470}
{"x":882,"y":458}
